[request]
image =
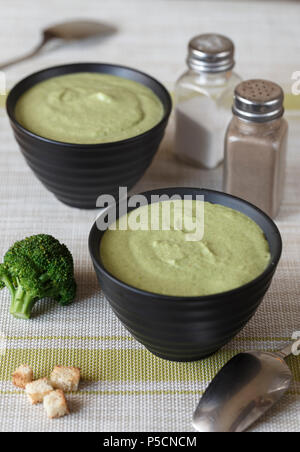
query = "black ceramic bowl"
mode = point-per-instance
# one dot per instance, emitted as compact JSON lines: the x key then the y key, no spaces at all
{"x":188,"y":328}
{"x":77,"y":174}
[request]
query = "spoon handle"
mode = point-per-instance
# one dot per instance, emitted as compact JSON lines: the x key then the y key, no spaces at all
{"x":34,"y":52}
{"x":292,"y":348}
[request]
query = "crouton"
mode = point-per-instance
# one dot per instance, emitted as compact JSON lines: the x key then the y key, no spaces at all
{"x":55,"y":404}
{"x":38,"y":389}
{"x":65,"y":378}
{"x":22,"y":375}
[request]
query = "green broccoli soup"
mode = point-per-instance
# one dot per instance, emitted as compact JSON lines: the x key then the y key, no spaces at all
{"x":232,"y":252}
{"x":87,"y":108}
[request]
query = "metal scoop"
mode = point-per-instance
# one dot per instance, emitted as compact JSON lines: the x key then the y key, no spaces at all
{"x":244,"y":389}
{"x":66,"y":31}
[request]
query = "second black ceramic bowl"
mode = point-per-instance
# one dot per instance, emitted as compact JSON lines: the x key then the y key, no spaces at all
{"x":188,"y":328}
{"x":75,"y":173}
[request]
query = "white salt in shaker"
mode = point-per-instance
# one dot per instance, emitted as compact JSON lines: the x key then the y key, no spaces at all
{"x":203,"y":99}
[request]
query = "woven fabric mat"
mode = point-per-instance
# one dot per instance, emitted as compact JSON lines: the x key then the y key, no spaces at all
{"x":124,"y":387}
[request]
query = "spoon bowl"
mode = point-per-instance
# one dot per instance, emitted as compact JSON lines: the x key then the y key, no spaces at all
{"x":245,"y":388}
{"x":78,"y":29}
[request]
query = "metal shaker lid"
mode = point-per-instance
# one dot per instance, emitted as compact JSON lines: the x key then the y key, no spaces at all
{"x":211,"y":53}
{"x":258,"y":100}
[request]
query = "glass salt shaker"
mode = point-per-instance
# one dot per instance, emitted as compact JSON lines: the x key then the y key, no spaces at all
{"x":203,"y":99}
{"x":256,"y":145}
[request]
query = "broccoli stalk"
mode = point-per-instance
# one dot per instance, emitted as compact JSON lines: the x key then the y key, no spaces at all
{"x":22,"y":303}
{"x":35,"y":268}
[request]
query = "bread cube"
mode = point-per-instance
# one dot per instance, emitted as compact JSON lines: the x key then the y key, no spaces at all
{"x":55,"y":404}
{"x":38,"y":389}
{"x":65,"y":378}
{"x":22,"y":375}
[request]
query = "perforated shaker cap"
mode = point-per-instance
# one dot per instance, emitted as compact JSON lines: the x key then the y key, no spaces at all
{"x":211,"y":53}
{"x":258,"y":100}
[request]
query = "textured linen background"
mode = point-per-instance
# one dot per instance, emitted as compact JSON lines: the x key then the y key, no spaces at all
{"x":125,"y":388}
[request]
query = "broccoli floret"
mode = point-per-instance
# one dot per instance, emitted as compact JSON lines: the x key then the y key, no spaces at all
{"x":35,"y":268}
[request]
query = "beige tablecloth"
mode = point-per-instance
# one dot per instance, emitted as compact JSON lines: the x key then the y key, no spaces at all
{"x":124,"y":387}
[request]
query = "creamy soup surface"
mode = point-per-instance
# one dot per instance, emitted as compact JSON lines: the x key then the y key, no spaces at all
{"x":88,"y":108}
{"x":232,"y":252}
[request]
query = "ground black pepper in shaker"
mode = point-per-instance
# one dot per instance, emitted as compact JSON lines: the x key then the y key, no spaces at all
{"x":256,"y":144}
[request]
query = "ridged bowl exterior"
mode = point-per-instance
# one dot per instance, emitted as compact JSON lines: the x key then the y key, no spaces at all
{"x":78,"y":174}
{"x":188,"y":328}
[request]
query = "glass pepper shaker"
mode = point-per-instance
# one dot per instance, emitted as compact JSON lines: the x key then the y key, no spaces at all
{"x":256,"y":144}
{"x":203,"y":99}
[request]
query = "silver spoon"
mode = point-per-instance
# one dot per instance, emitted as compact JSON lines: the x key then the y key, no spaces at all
{"x":66,"y":31}
{"x":244,"y":389}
